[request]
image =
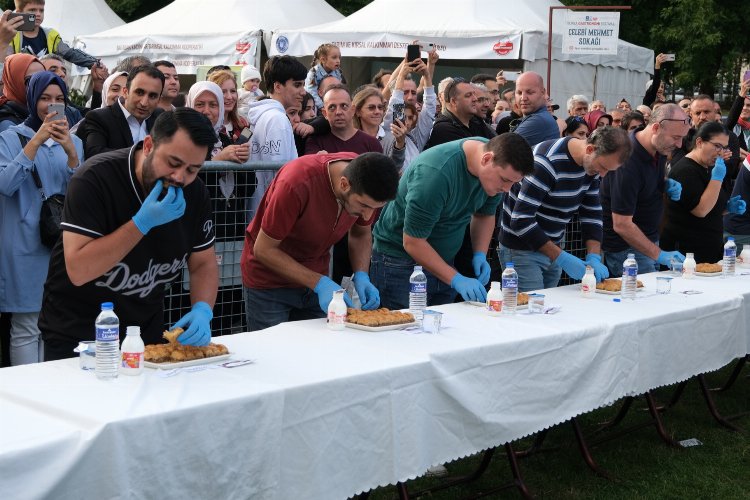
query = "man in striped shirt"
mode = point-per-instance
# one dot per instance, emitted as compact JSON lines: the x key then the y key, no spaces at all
{"x":536,"y":210}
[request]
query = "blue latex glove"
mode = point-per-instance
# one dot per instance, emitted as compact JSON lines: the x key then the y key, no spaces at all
{"x":198,"y":322}
{"x":719,"y":170}
{"x":600,"y":270}
{"x":469,"y":288}
{"x":155,"y":213}
{"x":573,"y":266}
{"x":369,"y":296}
{"x":665,"y":258}
{"x":481,"y":267}
{"x":325,"y":288}
{"x":736,"y":205}
{"x":673,"y":190}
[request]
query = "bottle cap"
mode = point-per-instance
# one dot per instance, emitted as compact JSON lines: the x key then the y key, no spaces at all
{"x":589,"y":269}
{"x":509,"y":264}
{"x":417,"y":268}
{"x":495,"y":284}
{"x":731,"y":238}
{"x":631,"y":256}
{"x":107,"y":305}
{"x":134,"y":330}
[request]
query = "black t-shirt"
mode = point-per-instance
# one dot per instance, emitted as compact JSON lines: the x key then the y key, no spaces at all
{"x":635,"y":189}
{"x":38,"y":44}
{"x":103,"y":195}
{"x":684,"y":231}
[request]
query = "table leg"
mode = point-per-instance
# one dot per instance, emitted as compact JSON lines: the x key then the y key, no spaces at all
{"x":620,"y":415}
{"x":735,"y":373}
{"x":516,"y":471}
{"x":586,"y":453}
{"x":658,"y":424}
{"x":403,"y":492}
{"x":712,"y":406}
{"x":676,"y":395}
{"x":535,"y":447}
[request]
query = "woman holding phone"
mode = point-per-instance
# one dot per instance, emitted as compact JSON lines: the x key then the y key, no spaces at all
{"x":42,"y":143}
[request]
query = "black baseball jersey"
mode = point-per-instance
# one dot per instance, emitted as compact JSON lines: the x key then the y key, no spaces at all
{"x":103,"y":195}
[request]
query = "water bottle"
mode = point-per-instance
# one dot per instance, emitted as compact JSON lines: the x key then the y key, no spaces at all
{"x":730,"y":257}
{"x":629,"y":277}
{"x":509,"y":281}
{"x":337,"y":311}
{"x":107,"y":343}
{"x":132,"y":352}
{"x":688,"y":267}
{"x":495,"y":299}
{"x":417,"y":293}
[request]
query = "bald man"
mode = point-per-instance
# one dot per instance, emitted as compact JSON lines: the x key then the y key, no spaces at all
{"x":537,"y":124}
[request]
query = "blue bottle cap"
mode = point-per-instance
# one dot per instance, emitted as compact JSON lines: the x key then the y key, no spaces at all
{"x":107,"y":305}
{"x":509,"y":264}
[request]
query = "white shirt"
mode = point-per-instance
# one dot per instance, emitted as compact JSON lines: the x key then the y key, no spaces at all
{"x":137,"y":129}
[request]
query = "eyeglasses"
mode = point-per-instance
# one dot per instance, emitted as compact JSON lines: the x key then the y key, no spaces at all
{"x":373,"y":107}
{"x":720,"y":148}
{"x":451,"y":85}
{"x":686,"y":121}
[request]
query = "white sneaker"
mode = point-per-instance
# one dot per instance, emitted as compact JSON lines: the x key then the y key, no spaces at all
{"x":437,"y":471}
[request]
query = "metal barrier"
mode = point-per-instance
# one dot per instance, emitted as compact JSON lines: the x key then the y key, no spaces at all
{"x":230,"y":186}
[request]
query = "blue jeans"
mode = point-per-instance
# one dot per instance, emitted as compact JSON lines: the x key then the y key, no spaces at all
{"x":614,"y":260}
{"x":267,"y":308}
{"x":390,"y":275}
{"x":535,"y":270}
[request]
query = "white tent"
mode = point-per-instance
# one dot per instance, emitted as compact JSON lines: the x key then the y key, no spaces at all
{"x":192,"y":33}
{"x":493,"y":33}
{"x":73,"y":18}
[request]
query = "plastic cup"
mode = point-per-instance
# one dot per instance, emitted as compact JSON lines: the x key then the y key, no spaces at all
{"x":536,"y":303}
{"x":676,"y":267}
{"x":86,"y":354}
{"x":663,"y":284}
{"x":431,"y":321}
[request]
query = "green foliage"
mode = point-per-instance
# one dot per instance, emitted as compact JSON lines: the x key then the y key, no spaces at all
{"x":130,"y":10}
{"x":77,"y":97}
{"x":346,"y":7}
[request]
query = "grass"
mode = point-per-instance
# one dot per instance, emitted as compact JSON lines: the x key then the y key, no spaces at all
{"x":644,"y":467}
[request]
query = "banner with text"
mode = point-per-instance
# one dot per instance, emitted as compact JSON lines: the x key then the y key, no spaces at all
{"x":591,"y":32}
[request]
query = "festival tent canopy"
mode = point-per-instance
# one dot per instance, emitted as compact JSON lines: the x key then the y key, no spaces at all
{"x":490,"y":32}
{"x":73,"y":18}
{"x":192,"y":33}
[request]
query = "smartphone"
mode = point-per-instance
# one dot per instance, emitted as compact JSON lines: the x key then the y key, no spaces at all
{"x":29,"y":20}
{"x":413,"y":52}
{"x":398,"y":113}
{"x":245,"y":135}
{"x":746,"y":77}
{"x":58,"y":108}
{"x":669,"y":57}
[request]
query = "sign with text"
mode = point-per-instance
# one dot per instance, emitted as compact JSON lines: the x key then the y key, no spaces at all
{"x":591,"y":32}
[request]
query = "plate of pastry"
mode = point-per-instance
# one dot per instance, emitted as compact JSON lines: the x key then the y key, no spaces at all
{"x":176,"y":355}
{"x":707,"y":269}
{"x":378,"y":320}
{"x":613,"y":286}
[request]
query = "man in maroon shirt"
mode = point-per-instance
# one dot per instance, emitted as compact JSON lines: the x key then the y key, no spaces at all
{"x":313,"y":201}
{"x":338,"y":110}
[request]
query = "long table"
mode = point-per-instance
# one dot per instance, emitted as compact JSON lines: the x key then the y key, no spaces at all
{"x":325,"y":414}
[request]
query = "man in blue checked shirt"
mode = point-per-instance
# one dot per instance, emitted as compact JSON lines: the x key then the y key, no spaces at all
{"x":566,"y":179}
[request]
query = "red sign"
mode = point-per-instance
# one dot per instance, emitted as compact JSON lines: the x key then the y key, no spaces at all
{"x":503,"y":48}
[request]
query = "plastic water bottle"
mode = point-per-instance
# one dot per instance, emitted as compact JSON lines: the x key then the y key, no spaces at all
{"x":417,"y":293}
{"x":509,"y":281}
{"x":730,"y":258}
{"x":629,"y":277}
{"x":337,"y":311}
{"x":132,"y":352}
{"x":107,"y":343}
{"x":495,"y":299}
{"x":688,"y":267}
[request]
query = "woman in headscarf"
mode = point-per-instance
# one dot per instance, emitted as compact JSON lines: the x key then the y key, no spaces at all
{"x":113,"y":87}
{"x":208,"y":98}
{"x":234,"y":124}
{"x":42,"y":143}
{"x":595,"y":119}
{"x":16,"y":70}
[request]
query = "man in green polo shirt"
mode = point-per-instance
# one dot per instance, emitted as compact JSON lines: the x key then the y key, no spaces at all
{"x":445,"y":188}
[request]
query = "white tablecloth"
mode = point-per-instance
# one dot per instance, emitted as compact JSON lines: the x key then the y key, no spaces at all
{"x":325,"y":414}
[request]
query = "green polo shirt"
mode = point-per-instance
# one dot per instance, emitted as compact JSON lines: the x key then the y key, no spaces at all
{"x":436,"y":198}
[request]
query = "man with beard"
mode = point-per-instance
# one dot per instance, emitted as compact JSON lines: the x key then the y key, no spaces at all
{"x":633,"y":196}
{"x":133,"y":219}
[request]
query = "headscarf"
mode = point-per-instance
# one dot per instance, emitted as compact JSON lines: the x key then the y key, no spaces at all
{"x":37,"y":85}
{"x":14,"y":72}
{"x":105,"y":86}
{"x":205,"y":86}
{"x":592,"y":118}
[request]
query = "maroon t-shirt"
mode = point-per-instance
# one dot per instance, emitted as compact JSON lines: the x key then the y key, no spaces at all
{"x":299,"y":209}
{"x":359,"y":143}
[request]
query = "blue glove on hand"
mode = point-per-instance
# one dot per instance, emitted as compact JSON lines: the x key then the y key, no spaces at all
{"x":600,"y":270}
{"x":325,"y":288}
{"x":469,"y":288}
{"x":155,"y":213}
{"x":719,"y":170}
{"x":665,"y":258}
{"x":198,"y":320}
{"x":481,"y":267}
{"x":736,"y":205}
{"x":368,"y":294}
{"x":573,"y":266}
{"x":673,"y":190}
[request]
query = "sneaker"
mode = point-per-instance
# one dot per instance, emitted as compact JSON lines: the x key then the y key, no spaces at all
{"x":437,"y":471}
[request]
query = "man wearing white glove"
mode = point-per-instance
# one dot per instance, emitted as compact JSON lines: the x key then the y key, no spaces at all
{"x":565,"y":181}
{"x":633,"y":197}
{"x":133,"y":219}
